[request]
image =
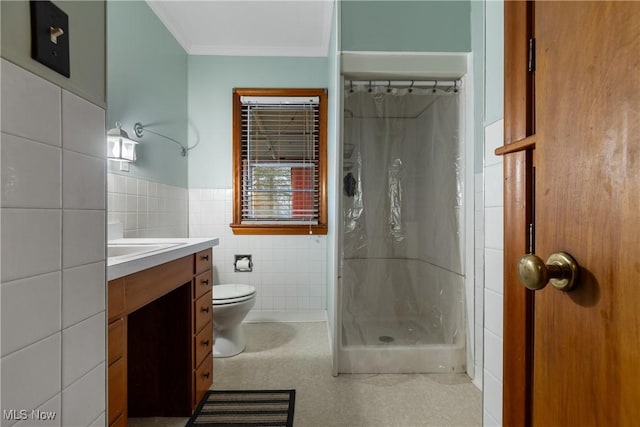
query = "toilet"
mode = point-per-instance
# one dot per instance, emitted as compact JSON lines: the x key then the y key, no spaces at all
{"x":231,"y":303}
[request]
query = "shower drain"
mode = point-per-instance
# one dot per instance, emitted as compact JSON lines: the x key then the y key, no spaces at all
{"x":385,"y":338}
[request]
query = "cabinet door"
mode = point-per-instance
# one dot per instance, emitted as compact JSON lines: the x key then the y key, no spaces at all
{"x":115,"y":301}
{"x":203,"y":378}
{"x":117,"y":371}
{"x":203,"y":284}
{"x":204,"y":260}
{"x":116,"y":341}
{"x":203,"y":311}
{"x":117,"y":391}
{"x":203,"y":344}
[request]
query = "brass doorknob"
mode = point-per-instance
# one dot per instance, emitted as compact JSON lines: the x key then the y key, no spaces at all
{"x":561,"y":270}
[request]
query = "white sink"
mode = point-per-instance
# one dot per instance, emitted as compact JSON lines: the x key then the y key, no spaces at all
{"x":130,"y":255}
{"x":126,"y":249}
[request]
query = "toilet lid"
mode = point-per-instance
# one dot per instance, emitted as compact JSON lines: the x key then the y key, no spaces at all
{"x":226,"y":294}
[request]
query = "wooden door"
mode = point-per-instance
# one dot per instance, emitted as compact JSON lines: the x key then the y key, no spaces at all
{"x":586,"y":342}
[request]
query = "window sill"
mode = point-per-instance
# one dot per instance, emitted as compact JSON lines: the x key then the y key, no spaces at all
{"x":278,"y":229}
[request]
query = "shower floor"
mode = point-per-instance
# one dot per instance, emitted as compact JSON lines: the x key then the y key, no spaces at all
{"x":392,"y":332}
{"x":397,"y":346}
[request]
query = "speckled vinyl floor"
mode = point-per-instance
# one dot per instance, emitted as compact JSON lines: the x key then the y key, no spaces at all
{"x":296,"y":355}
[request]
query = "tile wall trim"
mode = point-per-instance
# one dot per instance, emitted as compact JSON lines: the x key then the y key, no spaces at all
{"x":289,"y":272}
{"x":147,"y":208}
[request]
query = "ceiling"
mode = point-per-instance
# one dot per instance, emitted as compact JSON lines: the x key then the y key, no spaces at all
{"x":248,"y":28}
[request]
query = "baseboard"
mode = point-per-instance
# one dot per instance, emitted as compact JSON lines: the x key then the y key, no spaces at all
{"x":286,"y":316}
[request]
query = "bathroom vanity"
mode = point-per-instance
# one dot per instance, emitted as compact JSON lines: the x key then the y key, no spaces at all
{"x":160,"y":333}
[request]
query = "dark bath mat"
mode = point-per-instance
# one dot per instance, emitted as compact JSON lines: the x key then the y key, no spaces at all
{"x":233,"y":408}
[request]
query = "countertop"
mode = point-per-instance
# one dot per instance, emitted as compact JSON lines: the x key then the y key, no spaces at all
{"x":120,"y":266}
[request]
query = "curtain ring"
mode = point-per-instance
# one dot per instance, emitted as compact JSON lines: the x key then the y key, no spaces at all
{"x":411,"y":87}
{"x":455,"y":86}
{"x":388,"y":86}
{"x":351,"y":86}
{"x":434,"y":86}
{"x":369,"y":85}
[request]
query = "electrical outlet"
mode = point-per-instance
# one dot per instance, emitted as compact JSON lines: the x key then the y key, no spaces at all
{"x":50,"y":36}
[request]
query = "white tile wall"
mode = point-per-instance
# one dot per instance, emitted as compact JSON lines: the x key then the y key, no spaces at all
{"x":80,"y":193}
{"x":493,"y":363}
{"x":53,"y":216}
{"x":492,"y":401}
{"x":493,"y":259}
{"x":493,"y":227}
{"x":31,"y":376}
{"x":31,"y":242}
{"x":82,"y":292}
{"x":30,"y":106}
{"x":479,"y":278}
{"x":42,"y":292}
{"x":493,"y":290}
{"x":288,"y":271}
{"x":83,"y":348}
{"x":84,"y":134}
{"x":51,"y":407}
{"x":146,"y":208}
{"x":20,"y":186}
{"x":100,"y":421}
{"x":83,"y":237}
{"x":493,"y":312}
{"x":83,"y":401}
{"x":494,"y":185}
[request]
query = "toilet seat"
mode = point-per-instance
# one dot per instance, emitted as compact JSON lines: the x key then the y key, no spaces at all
{"x":232,"y":293}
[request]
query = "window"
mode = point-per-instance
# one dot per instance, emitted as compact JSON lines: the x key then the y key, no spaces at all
{"x":279,"y":155}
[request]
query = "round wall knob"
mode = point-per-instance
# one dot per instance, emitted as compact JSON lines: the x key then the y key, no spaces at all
{"x":561,"y":270}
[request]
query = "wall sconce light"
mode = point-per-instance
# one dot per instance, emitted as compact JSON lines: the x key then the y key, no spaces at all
{"x":139,"y":130}
{"x":119,"y":146}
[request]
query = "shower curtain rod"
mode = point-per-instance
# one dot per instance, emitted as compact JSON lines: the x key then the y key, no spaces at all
{"x":406,"y":83}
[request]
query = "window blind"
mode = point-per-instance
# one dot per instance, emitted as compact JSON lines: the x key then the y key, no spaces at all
{"x":280,"y":160}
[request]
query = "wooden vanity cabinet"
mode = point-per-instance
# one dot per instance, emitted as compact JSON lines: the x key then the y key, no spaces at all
{"x":160,"y":337}
{"x":116,"y":354}
{"x":202,"y":326}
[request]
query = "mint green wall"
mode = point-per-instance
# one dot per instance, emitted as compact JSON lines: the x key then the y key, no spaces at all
{"x":408,"y":26}
{"x":494,"y":80}
{"x":147,"y":83}
{"x":487,"y":40}
{"x":86,"y":44}
{"x":477,"y":46}
{"x":211,"y":81}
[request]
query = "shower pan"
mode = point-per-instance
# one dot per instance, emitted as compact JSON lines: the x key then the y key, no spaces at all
{"x":402,"y":285}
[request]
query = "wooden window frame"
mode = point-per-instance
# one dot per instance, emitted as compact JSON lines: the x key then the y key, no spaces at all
{"x":270,"y":228}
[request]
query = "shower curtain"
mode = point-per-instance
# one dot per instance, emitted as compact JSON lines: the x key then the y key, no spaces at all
{"x":402,"y":269}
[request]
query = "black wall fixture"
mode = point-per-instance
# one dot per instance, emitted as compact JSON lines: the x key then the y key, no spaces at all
{"x":50,"y":36}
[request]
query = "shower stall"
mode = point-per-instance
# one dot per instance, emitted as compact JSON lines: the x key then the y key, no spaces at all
{"x":402,"y":286}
